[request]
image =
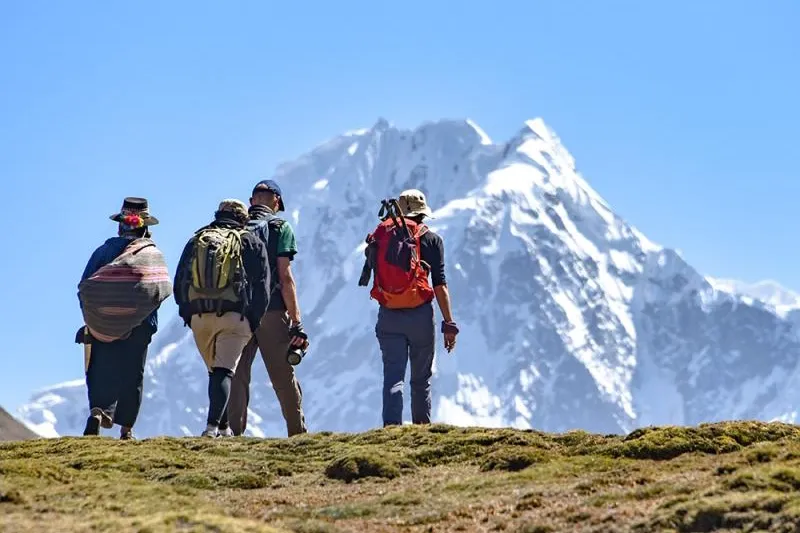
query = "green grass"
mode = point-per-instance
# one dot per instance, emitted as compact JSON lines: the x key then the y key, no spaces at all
{"x":716,"y":477}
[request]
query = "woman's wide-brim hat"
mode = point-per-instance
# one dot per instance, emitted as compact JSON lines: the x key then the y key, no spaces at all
{"x":135,"y":207}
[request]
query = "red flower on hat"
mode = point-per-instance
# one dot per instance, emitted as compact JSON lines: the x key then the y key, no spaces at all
{"x":134,"y":221}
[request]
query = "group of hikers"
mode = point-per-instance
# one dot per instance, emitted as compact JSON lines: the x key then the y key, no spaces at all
{"x":235,"y":290}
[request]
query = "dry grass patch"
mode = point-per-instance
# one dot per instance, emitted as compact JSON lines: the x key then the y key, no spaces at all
{"x":436,"y":478}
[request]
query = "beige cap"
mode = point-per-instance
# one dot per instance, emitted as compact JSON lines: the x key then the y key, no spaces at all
{"x":232,"y":205}
{"x":412,"y":203}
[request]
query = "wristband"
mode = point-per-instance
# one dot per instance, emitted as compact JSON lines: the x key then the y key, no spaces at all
{"x":449,"y":327}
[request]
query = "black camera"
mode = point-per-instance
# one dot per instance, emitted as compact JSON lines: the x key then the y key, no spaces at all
{"x":295,"y":355}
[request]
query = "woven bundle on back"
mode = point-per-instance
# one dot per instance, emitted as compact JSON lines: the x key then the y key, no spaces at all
{"x":120,"y":295}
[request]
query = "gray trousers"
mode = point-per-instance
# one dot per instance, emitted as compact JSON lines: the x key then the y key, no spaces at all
{"x":406,"y":335}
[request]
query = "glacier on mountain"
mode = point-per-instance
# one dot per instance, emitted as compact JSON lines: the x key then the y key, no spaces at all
{"x":570,"y":317}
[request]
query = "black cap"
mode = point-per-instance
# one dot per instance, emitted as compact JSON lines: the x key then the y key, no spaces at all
{"x":270,"y":185}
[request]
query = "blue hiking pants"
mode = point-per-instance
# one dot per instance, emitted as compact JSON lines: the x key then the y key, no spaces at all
{"x":406,"y":335}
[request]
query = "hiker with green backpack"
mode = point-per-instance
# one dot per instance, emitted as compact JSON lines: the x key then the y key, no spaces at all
{"x":221,"y":291}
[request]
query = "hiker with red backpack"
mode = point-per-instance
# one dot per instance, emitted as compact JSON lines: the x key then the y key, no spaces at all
{"x":220,"y":289}
{"x":121,"y":289}
{"x":402,"y":252}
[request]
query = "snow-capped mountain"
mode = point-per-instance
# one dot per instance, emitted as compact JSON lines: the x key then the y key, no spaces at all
{"x":570,"y":317}
{"x":771,"y":292}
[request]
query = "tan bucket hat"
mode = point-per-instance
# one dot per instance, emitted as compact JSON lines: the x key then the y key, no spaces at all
{"x":232,"y":205}
{"x":412,"y":203}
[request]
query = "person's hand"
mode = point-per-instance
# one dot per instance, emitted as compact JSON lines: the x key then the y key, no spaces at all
{"x":450,"y":331}
{"x":298,"y":337}
{"x":80,"y":335}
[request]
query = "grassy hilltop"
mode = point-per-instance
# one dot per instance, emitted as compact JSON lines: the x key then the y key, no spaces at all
{"x":738,"y":476}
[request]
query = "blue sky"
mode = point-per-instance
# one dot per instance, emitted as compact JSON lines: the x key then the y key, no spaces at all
{"x":683,"y":114}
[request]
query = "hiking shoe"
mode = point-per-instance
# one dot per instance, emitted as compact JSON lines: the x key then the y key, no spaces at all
{"x":126,"y":434}
{"x":227,"y":432}
{"x":210,"y":431}
{"x":105,"y":420}
{"x":92,"y":426}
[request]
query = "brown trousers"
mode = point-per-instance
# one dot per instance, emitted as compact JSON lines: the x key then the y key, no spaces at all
{"x":272,"y":339}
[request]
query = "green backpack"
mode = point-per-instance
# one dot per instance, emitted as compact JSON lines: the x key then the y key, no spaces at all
{"x":217,"y":268}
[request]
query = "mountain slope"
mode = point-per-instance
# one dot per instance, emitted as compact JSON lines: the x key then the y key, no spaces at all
{"x":12,"y":429}
{"x":570,"y":317}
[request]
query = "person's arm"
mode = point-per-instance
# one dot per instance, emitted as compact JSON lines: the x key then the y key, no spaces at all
{"x":433,"y":254}
{"x":93,"y":264}
{"x":96,"y":260}
{"x":288,"y":289}
{"x":443,"y":300}
{"x":286,"y":250}
{"x":180,"y":283}
{"x":297,"y":335}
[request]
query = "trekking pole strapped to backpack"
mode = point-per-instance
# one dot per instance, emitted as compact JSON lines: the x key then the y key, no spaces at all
{"x":384,"y":213}
{"x":393,"y":256}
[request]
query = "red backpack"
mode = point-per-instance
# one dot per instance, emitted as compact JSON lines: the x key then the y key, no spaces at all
{"x":394,"y":255}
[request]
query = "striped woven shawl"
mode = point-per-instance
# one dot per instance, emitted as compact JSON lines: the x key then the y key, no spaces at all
{"x":121,"y":294}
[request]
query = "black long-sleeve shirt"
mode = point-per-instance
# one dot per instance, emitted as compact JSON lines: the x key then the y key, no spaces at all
{"x":432,"y":252}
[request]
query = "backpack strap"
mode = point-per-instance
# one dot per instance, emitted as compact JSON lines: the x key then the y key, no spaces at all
{"x":276,"y":222}
{"x":136,"y":246}
{"x":243,"y":289}
{"x":274,"y":225}
{"x":256,"y":224}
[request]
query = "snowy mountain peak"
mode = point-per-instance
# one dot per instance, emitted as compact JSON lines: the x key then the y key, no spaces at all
{"x":535,"y":128}
{"x":381,"y":124}
{"x":570,"y":317}
{"x":485,"y":139}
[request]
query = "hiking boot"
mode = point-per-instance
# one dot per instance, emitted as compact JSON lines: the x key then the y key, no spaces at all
{"x":92,"y":426}
{"x":126,"y":434}
{"x":105,"y":420}
{"x":227,"y":432}
{"x":210,"y":431}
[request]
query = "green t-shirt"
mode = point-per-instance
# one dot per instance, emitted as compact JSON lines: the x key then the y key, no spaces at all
{"x":287,"y":244}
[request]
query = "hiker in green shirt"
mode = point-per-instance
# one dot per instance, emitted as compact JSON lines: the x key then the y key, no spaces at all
{"x":281,"y":327}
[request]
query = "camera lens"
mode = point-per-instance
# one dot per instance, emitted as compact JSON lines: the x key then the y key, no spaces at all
{"x":294,"y":356}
